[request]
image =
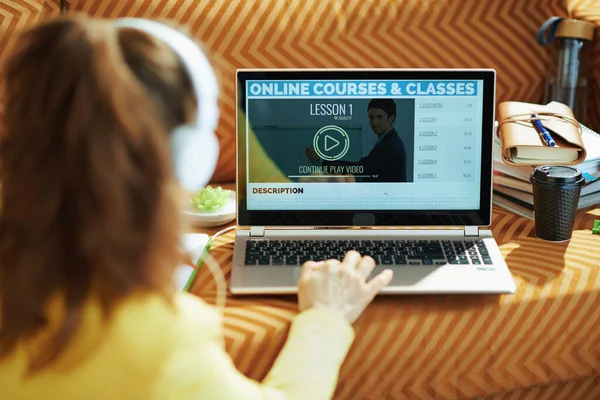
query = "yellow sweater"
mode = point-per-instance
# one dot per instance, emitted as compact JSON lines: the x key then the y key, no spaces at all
{"x":152,"y":351}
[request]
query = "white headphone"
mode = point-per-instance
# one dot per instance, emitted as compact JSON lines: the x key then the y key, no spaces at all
{"x":194,"y":147}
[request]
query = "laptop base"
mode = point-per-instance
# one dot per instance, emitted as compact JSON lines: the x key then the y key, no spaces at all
{"x":441,"y":277}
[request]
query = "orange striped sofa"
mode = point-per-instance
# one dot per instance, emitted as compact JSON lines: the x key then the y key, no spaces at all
{"x":542,"y":343}
{"x":345,"y":33}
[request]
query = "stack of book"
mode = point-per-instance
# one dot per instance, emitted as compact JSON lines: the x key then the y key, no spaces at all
{"x":513,"y":190}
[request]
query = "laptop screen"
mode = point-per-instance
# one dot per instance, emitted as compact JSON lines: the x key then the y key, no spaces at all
{"x":399,"y":141}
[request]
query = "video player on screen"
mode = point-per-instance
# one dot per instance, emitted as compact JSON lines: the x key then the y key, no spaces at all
{"x":386,"y":162}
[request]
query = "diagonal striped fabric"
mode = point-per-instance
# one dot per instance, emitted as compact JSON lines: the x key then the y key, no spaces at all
{"x":541,"y":343}
{"x":585,"y":389}
{"x":354,"y":33}
{"x":346,"y":33}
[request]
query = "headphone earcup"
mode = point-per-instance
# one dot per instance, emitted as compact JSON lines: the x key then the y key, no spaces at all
{"x":195,"y":154}
{"x":194,"y":147}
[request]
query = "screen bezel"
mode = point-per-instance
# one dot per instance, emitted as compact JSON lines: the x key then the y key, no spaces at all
{"x":377,"y":218}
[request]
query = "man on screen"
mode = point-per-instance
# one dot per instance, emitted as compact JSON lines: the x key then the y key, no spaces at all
{"x":386,"y":161}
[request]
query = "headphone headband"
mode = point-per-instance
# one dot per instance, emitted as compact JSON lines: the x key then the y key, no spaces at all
{"x":194,"y":146}
{"x":195,"y":62}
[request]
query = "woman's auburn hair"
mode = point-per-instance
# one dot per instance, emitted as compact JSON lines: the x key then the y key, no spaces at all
{"x":88,"y":200}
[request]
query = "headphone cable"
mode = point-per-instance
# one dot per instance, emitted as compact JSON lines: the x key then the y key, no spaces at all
{"x":213,"y":267}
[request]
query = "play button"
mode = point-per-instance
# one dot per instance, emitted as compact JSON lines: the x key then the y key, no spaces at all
{"x":331,"y":142}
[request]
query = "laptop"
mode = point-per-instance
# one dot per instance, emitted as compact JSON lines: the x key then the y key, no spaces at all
{"x":394,"y":163}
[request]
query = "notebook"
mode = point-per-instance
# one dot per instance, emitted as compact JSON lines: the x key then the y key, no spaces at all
{"x":591,"y":141}
{"x":592,"y":183}
{"x":591,"y":164}
{"x":395,"y":164}
{"x":524,"y":144}
{"x":503,"y":195}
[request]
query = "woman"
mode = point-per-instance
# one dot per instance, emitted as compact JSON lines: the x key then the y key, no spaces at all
{"x":89,"y":237}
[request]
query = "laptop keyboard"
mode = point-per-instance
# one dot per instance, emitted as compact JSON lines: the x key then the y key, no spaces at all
{"x":384,"y":252}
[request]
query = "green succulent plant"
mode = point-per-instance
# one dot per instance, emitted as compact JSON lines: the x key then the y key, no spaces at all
{"x":209,"y":198}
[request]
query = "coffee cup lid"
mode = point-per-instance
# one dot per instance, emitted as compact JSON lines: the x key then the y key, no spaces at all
{"x":557,"y":174}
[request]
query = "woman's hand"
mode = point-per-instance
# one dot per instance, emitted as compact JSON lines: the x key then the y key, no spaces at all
{"x":340,"y":287}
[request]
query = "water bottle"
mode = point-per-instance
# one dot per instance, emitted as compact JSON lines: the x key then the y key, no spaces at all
{"x":570,"y":41}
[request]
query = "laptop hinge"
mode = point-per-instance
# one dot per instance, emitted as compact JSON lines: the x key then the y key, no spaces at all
{"x":471,"y":231}
{"x":257,"y":231}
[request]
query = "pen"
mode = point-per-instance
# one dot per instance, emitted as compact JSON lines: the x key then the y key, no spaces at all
{"x":542,"y":131}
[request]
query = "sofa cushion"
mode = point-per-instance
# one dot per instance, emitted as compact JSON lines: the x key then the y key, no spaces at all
{"x":345,"y":33}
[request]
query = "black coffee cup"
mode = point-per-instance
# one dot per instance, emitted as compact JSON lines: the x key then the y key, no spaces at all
{"x":556,"y":192}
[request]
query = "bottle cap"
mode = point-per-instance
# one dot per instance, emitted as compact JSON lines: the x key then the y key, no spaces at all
{"x":557,"y":175}
{"x":574,"y":28}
